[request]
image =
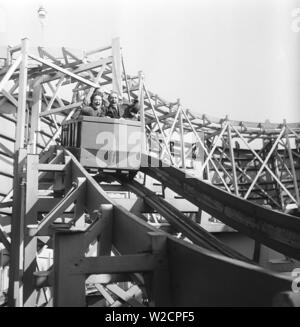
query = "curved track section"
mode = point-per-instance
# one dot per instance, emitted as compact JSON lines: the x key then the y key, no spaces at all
{"x":279,"y":231}
{"x":174,"y":272}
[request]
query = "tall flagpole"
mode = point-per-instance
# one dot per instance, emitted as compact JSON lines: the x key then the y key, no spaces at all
{"x":42,"y":13}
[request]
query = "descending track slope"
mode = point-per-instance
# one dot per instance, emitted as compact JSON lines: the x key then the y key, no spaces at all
{"x":176,"y":273}
{"x":274,"y":229}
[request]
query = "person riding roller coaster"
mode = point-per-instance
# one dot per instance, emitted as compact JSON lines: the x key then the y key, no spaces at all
{"x":124,"y":110}
{"x":96,"y":107}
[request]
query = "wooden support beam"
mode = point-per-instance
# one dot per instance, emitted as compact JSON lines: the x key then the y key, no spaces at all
{"x":171,"y":131}
{"x":264,"y":163}
{"x":64,"y":71}
{"x":108,"y":278}
{"x":43,"y":53}
{"x":116,"y":67}
{"x":105,"y":239}
{"x":114,"y":264}
{"x":158,"y":284}
{"x":70,"y":54}
{"x":57,"y":133}
{"x":61,"y":109}
{"x":91,"y":52}
{"x":292,"y":164}
{"x":4,"y":239}
{"x":53,"y":167}
{"x":230,"y":142}
{"x":10,"y":97}
{"x":30,"y":242}
{"x":10,"y":72}
{"x":250,"y":179}
{"x":55,"y":92}
{"x":35,"y":123}
{"x":158,"y":123}
{"x":21,"y":113}
{"x":206,"y":152}
{"x":70,"y":197}
{"x":128,"y":297}
{"x":69,"y":289}
{"x":105,"y":294}
{"x":183,"y":164}
{"x":15,"y":290}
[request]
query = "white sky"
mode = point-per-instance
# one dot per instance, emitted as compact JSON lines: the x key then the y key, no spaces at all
{"x":220,"y":57}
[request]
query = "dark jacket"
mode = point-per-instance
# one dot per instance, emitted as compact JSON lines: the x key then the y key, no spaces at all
{"x":125,"y":110}
{"x":90,"y":111}
{"x":113,"y":112}
{"x":131,"y":110}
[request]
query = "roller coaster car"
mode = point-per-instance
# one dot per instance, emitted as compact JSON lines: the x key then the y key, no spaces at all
{"x":112,"y":145}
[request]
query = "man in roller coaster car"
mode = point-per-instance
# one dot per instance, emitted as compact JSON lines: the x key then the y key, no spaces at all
{"x":96,"y":107}
{"x":124,"y":110}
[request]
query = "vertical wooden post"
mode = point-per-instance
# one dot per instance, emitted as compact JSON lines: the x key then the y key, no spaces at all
{"x":105,"y":241}
{"x":126,"y":81}
{"x":20,"y":127}
{"x":8,"y":58}
{"x":200,"y":157}
{"x":117,"y":67}
{"x":35,"y":111}
{"x":292,"y":165}
{"x":181,"y":136}
{"x":142,"y":118}
{"x":30,"y":242}
{"x":15,"y":290}
{"x":160,"y":292}
{"x":235,"y":184}
{"x":69,"y":289}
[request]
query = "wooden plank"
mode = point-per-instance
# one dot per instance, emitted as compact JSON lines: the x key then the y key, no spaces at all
{"x":52,"y":167}
{"x":105,"y":294}
{"x":292,"y":164}
{"x":105,"y":239}
{"x":21,"y":113}
{"x":15,"y":296}
{"x":69,"y":289}
{"x":234,"y":176}
{"x":60,"y":208}
{"x":115,"y":264}
{"x":30,"y":242}
{"x":125,"y":296}
{"x":10,"y":72}
{"x":116,"y":67}
{"x":64,"y":71}
{"x":10,"y":98}
{"x":35,"y":123}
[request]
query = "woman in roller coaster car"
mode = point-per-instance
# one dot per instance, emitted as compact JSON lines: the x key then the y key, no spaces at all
{"x":124,"y":110}
{"x":96,"y":107}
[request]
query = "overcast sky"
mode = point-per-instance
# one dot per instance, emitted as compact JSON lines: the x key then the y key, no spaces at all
{"x":220,"y":57}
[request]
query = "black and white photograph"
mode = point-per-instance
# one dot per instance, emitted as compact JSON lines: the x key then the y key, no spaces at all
{"x":149,"y":156}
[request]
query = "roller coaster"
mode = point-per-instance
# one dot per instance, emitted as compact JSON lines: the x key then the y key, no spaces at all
{"x":175,"y":210}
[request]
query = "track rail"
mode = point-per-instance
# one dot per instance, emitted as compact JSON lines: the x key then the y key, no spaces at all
{"x":279,"y":231}
{"x":186,"y":226}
